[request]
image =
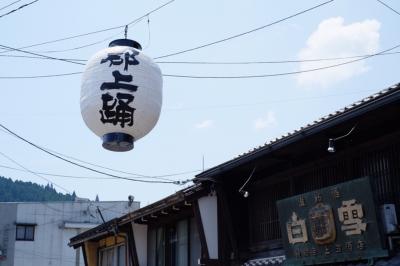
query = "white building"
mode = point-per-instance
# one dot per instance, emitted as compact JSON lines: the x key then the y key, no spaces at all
{"x":37,"y":234}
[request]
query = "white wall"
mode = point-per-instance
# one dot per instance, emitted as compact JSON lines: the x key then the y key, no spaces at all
{"x":50,"y":246}
{"x":140,"y":235}
{"x":209,"y":217}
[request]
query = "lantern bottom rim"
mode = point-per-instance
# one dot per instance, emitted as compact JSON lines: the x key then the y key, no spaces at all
{"x":118,"y":142}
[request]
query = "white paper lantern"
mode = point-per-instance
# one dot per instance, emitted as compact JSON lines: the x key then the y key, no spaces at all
{"x":121,"y":94}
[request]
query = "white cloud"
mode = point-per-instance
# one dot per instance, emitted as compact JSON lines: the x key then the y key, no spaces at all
{"x":335,"y":39}
{"x":267,"y":121}
{"x":204,"y":124}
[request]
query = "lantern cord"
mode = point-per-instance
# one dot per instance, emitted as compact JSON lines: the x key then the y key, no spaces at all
{"x":126,"y":32}
{"x":229,"y":77}
{"x":89,"y":168}
{"x":34,"y":173}
{"x":391,"y":8}
{"x":4,"y":7}
{"x":149,"y":33}
{"x":21,"y":7}
{"x":45,"y":56}
{"x":246,"y":32}
{"x":97,"y":31}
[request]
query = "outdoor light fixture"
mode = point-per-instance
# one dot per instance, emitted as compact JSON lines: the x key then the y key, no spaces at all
{"x":245,"y":193}
{"x":331,"y":141}
{"x":331,"y":146}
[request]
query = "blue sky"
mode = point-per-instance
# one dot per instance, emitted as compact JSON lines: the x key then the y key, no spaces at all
{"x":214,"y":118}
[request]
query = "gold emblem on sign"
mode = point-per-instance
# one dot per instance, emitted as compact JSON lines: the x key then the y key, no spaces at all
{"x":350,"y":215}
{"x":296,"y":229}
{"x":322,"y":224}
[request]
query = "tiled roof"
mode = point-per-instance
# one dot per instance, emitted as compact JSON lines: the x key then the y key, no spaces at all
{"x":332,"y":116}
{"x":276,"y":261}
{"x":279,"y":260}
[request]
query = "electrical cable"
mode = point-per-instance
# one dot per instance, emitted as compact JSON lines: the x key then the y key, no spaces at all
{"x":35,"y":174}
{"x":133,"y":175}
{"x":4,"y":7}
{"x":279,"y":74}
{"x":97,"y":31}
{"x":227,"y":77}
{"x":58,"y":175}
{"x":19,"y":8}
{"x":45,"y":56}
{"x":267,"y":102}
{"x":244,"y":33}
{"x":86,"y":45}
{"x":286,"y":61}
{"x":39,"y":57}
{"x":73,"y":176}
{"x":268,"y":62}
{"x":391,"y":8}
{"x":89,"y":168}
{"x":124,"y":172}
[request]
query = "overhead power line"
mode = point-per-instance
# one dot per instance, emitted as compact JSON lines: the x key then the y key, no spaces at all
{"x":268,"y":62}
{"x":86,"y":45}
{"x":279,"y":74}
{"x":35,"y":174}
{"x":39,"y":57}
{"x":69,"y":176}
{"x":89,"y":168}
{"x":97,"y":31}
{"x":384,"y":52}
{"x":266,"y":102}
{"x":391,"y":8}
{"x":284,"y":61}
{"x":4,"y":7}
{"x":45,"y":56}
{"x":21,"y":7}
{"x":246,"y":32}
{"x":136,"y":175}
{"x":42,"y":76}
{"x":132,"y":175}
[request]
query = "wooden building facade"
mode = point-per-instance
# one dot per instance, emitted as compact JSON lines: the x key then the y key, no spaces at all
{"x":231,"y":217}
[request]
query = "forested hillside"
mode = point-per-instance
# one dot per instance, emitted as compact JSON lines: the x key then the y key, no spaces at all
{"x":27,"y":191}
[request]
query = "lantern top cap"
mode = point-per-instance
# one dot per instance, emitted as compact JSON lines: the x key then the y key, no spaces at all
{"x":125,"y":42}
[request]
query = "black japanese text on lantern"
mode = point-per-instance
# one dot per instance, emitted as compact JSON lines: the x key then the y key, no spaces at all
{"x":118,"y":109}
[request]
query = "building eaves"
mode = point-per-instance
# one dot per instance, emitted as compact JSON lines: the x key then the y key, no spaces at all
{"x":104,"y":229}
{"x":369,"y":103}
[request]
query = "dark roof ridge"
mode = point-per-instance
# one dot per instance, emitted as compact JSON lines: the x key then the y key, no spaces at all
{"x":317,"y":124}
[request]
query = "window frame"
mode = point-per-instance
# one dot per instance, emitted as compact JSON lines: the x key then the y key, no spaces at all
{"x":166,"y":247}
{"x":25,"y":226}
{"x":115,"y":250}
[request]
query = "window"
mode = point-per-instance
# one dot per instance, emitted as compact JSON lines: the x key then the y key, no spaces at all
{"x":25,"y":232}
{"x":175,"y":244}
{"x":113,"y":256}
